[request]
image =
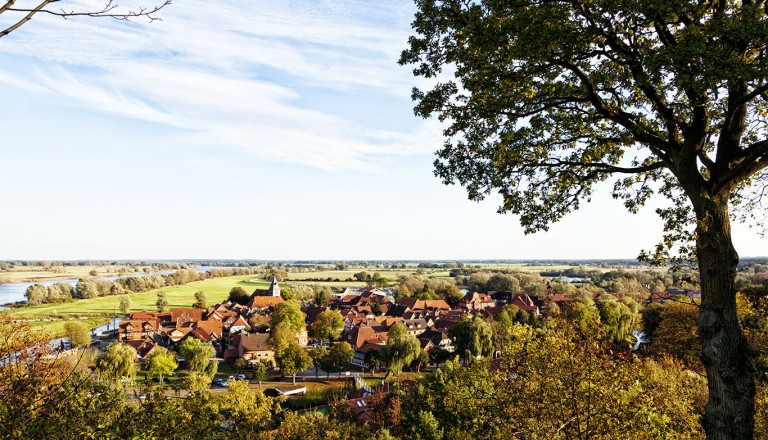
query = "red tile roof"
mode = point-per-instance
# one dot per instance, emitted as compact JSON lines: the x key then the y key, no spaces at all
{"x":263,"y":302}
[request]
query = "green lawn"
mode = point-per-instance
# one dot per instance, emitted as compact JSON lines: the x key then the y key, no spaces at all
{"x":169,"y":382}
{"x":56,"y":328}
{"x":217,"y":290}
{"x":319,"y":393}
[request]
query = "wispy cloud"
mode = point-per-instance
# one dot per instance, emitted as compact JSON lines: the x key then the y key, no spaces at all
{"x":234,"y":75}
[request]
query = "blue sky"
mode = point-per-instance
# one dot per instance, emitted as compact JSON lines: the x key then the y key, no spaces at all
{"x":268,"y":130}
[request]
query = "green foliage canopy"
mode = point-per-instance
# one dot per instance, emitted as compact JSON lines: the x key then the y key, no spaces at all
{"x":161,"y":362}
{"x":472,"y":337}
{"x":551,"y":98}
{"x":125,"y":304}
{"x":402,"y":348}
{"x":117,"y":361}
{"x":293,"y":359}
{"x":78,"y":333}
{"x":201,"y":300}
{"x":290,"y":313}
{"x":327,"y":325}
{"x":197,"y":353}
{"x":238,"y":295}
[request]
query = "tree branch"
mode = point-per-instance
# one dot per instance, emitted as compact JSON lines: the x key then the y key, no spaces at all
{"x":108,"y":11}
{"x":757,"y":91}
{"x":619,"y":116}
{"x":7,"y":5}
{"x":705,"y":159}
{"x":732,"y":129}
{"x":641,"y":78}
{"x":600,"y":166}
{"x":754,"y":159}
{"x":26,"y":18}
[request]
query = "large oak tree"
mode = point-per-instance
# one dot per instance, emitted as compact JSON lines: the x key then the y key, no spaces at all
{"x":551,"y":97}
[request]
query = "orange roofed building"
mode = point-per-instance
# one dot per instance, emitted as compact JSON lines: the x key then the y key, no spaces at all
{"x":137,"y":329}
{"x":264,"y":299}
{"x":254,"y":348}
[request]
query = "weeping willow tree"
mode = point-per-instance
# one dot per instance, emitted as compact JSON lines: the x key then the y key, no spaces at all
{"x":118,"y":361}
{"x":617,"y":316}
{"x":401,"y":350}
{"x":472,"y":338}
{"x":551,"y":97}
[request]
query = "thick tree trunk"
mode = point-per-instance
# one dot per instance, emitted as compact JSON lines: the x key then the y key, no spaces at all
{"x":726,"y":353}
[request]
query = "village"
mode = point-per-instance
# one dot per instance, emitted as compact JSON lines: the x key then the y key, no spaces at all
{"x":347,"y":335}
{"x":348,"y":356}
{"x":242,"y":334}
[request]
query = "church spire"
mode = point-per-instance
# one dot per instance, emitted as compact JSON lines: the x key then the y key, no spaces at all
{"x":274,"y":288}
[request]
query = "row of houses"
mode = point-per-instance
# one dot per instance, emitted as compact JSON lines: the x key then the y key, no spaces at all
{"x":222,"y":325}
{"x":370,"y":313}
{"x":672,"y":294}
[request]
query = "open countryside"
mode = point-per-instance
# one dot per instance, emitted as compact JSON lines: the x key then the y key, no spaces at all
{"x":400,"y":220}
{"x":52,"y":316}
{"x":318,"y":346}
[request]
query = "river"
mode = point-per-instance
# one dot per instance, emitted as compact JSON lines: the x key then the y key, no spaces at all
{"x":565,"y":279}
{"x":13,"y":292}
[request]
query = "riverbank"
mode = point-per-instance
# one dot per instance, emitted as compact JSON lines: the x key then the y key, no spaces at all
{"x":37,"y":274}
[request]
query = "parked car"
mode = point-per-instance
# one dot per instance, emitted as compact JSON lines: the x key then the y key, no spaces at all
{"x":241,"y":377}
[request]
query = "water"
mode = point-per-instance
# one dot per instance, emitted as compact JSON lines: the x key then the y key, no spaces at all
{"x":641,"y":339}
{"x":13,"y":292}
{"x":565,"y":279}
{"x":106,"y":327}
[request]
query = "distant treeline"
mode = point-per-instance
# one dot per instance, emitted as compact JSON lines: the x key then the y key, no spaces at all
{"x":167,"y":265}
{"x":91,"y":288}
{"x":636,"y":283}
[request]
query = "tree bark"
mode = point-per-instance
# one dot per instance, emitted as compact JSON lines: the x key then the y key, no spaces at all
{"x":726,"y":353}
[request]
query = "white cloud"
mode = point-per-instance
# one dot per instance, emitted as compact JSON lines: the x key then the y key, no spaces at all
{"x":233,"y":75}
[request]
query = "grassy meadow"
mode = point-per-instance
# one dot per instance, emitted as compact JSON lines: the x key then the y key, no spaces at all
{"x":56,"y":327}
{"x":390,"y":274}
{"x":217,"y":290}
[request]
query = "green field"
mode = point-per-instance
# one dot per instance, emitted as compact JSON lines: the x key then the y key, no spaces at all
{"x":56,"y":328}
{"x":217,"y":290}
{"x":390,"y":274}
